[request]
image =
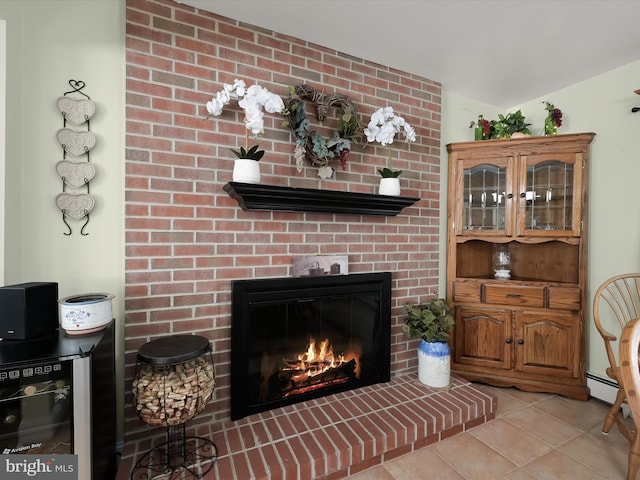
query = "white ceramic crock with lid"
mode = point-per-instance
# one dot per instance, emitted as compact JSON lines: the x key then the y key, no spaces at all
{"x":85,"y":313}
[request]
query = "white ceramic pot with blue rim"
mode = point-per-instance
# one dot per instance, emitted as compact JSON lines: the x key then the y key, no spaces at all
{"x":434,"y":364}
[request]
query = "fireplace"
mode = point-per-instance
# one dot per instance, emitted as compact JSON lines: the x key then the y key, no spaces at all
{"x":294,"y":339}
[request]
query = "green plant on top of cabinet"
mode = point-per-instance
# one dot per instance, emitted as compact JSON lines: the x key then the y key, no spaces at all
{"x":522,"y":324}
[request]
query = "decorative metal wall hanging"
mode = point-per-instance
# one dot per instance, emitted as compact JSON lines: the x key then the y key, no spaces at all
{"x":76,"y":110}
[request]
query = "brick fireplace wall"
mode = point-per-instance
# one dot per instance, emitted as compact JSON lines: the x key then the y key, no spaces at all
{"x":187,"y":240}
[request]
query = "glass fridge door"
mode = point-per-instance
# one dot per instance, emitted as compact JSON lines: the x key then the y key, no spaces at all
{"x":35,"y":408}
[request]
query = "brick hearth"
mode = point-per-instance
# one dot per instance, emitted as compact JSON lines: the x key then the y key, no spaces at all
{"x":339,"y":435}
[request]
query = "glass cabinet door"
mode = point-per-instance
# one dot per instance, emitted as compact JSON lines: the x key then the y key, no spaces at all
{"x":549,"y":203}
{"x":484,"y":207}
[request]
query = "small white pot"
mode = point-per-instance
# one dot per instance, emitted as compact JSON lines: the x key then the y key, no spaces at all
{"x":434,"y":364}
{"x":389,"y":186}
{"x":246,"y":170}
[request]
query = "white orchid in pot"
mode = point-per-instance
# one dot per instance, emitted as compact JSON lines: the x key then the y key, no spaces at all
{"x":382,"y":128}
{"x":252,"y":100}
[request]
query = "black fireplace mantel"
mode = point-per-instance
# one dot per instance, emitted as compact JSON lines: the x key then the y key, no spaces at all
{"x":252,"y":196}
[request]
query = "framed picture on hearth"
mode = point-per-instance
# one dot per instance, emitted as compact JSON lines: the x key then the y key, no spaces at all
{"x":320,"y":265}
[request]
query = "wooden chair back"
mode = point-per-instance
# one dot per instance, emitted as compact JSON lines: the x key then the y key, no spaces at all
{"x":616,"y":303}
{"x":630,"y":381}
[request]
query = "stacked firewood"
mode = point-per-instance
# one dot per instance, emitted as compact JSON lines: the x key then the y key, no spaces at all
{"x":171,"y":395}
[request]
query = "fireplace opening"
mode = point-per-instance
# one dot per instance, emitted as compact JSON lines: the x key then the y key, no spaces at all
{"x":294,"y":339}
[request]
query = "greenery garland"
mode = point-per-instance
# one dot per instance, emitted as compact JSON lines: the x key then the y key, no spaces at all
{"x":319,"y":151}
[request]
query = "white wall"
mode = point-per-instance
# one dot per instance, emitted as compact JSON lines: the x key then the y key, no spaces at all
{"x":3,"y":78}
{"x":602,"y":105}
{"x":457,"y":114}
{"x":50,"y":42}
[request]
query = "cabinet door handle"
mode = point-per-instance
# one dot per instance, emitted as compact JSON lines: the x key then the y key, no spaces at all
{"x":509,"y":195}
{"x":523,"y":194}
{"x":508,"y":340}
{"x":514,"y":295}
{"x":521,"y":342}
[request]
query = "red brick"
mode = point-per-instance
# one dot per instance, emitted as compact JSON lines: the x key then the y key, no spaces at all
{"x":382,"y":442}
{"x":428,"y":440}
{"x":288,"y":460}
{"x":257,"y":464}
{"x":321,"y":460}
{"x":336,"y":453}
{"x":272,"y":461}
{"x":371,"y":462}
{"x":475,"y":422}
{"x":397,"y":452}
{"x":241,"y":465}
{"x":450,"y":432}
{"x":349,"y":443}
{"x":176,"y":165}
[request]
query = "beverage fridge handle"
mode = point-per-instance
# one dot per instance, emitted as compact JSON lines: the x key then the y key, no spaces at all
{"x":82,"y":415}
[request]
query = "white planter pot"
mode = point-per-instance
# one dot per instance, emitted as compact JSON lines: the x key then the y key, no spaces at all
{"x":246,"y":170}
{"x":389,"y":186}
{"x":434,"y":364}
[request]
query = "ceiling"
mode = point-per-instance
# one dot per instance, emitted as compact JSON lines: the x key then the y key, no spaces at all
{"x":502,"y":52}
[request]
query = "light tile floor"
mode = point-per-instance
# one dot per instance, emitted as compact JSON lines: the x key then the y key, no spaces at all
{"x":534,"y":436}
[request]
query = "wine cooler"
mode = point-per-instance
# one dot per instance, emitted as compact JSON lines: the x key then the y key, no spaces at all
{"x":57,"y":397}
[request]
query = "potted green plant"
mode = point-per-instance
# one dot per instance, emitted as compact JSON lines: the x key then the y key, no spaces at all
{"x":252,"y":154}
{"x":432,"y":323}
{"x":506,"y":126}
{"x":382,"y":128}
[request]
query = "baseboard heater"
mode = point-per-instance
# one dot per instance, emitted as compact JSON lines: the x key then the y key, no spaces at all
{"x":602,"y":388}
{"x":606,"y":390}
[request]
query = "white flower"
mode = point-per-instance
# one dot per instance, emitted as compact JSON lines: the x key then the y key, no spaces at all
{"x":386,"y":133}
{"x":273,"y":104}
{"x":214,"y":107}
{"x":254,"y":120}
{"x":237,"y":89}
{"x":385,"y":124}
{"x":409,"y":133}
{"x":252,"y":100}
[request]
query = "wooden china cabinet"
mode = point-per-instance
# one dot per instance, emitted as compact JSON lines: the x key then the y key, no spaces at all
{"x":523,"y":200}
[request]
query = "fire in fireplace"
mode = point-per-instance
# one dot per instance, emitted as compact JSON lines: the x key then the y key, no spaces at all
{"x":293,"y":339}
{"x":316,"y":368}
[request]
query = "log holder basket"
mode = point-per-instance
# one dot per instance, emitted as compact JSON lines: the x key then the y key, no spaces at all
{"x":174,"y":381}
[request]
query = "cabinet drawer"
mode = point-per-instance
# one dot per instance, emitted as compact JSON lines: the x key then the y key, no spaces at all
{"x":514,"y":295}
{"x":567,"y":298}
{"x":466,"y":292}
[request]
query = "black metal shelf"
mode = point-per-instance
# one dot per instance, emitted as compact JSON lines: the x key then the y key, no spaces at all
{"x":252,"y":196}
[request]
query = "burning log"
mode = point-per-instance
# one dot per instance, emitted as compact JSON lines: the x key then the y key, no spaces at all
{"x":294,"y":380}
{"x":296,"y":364}
{"x":314,"y":369}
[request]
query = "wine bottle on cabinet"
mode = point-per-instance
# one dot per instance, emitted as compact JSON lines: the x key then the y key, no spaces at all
{"x":478,"y":131}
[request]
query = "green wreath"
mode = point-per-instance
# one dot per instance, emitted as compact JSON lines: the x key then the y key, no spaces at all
{"x":320,"y":151}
